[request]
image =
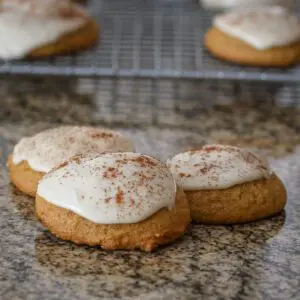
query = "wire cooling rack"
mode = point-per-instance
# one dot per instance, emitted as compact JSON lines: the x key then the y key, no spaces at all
{"x":148,"y":39}
{"x":126,"y":102}
{"x":177,"y":103}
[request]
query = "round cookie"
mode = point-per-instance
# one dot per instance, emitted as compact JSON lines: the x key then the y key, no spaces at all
{"x":228,"y":185}
{"x":113,"y":200}
{"x":234,"y":50}
{"x":248,"y":37}
{"x":47,"y":28}
{"x":34,"y":156}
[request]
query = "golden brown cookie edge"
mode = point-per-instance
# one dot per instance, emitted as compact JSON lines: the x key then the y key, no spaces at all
{"x":23,"y":177}
{"x":251,"y":201}
{"x":80,"y":39}
{"x":161,"y":228}
{"x":228,"y":48}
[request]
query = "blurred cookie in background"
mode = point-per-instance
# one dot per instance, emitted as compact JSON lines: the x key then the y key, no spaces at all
{"x":267,"y":36}
{"x":35,"y":28}
{"x":227,"y":4}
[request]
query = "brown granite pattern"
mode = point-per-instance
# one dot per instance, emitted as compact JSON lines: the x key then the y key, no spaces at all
{"x":253,"y":261}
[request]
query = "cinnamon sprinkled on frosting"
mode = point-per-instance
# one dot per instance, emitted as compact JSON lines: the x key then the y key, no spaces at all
{"x":217,"y":167}
{"x":50,"y":148}
{"x":111,"y":188}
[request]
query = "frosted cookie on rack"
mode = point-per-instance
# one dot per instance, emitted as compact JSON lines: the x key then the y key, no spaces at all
{"x":34,"y":156}
{"x":228,"y":4}
{"x":228,"y":185}
{"x":35,"y":28}
{"x":113,"y":200}
{"x":265,"y":36}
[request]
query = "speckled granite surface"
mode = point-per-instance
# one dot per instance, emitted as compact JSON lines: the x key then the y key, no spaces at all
{"x":254,"y":261}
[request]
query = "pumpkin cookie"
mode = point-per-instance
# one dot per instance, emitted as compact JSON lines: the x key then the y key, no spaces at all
{"x":34,"y":156}
{"x":266,"y":36}
{"x":34,"y":28}
{"x":228,"y":185}
{"x":113,"y":200}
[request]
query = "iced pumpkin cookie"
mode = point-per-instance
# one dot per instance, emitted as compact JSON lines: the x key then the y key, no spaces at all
{"x":228,"y":185}
{"x":35,"y":28}
{"x":113,"y":200}
{"x":264,"y":36}
{"x":34,"y":156}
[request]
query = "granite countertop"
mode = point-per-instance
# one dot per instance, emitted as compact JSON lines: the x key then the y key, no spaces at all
{"x":260,"y":260}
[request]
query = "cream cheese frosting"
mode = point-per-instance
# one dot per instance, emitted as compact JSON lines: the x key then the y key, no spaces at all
{"x":111,"y":188}
{"x":226,"y":4}
{"x":49,"y":148}
{"x":217,"y":167}
{"x":263,"y":27}
{"x":28,"y":24}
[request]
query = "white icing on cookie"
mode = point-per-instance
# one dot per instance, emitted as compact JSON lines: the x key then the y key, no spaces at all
{"x":47,"y":8}
{"x":217,"y":167}
{"x":29,"y":24}
{"x":262,"y":28}
{"x":226,"y":4}
{"x":112,"y":188}
{"x":50,"y":148}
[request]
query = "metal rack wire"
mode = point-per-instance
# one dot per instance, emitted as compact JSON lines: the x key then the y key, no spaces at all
{"x":148,"y":39}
